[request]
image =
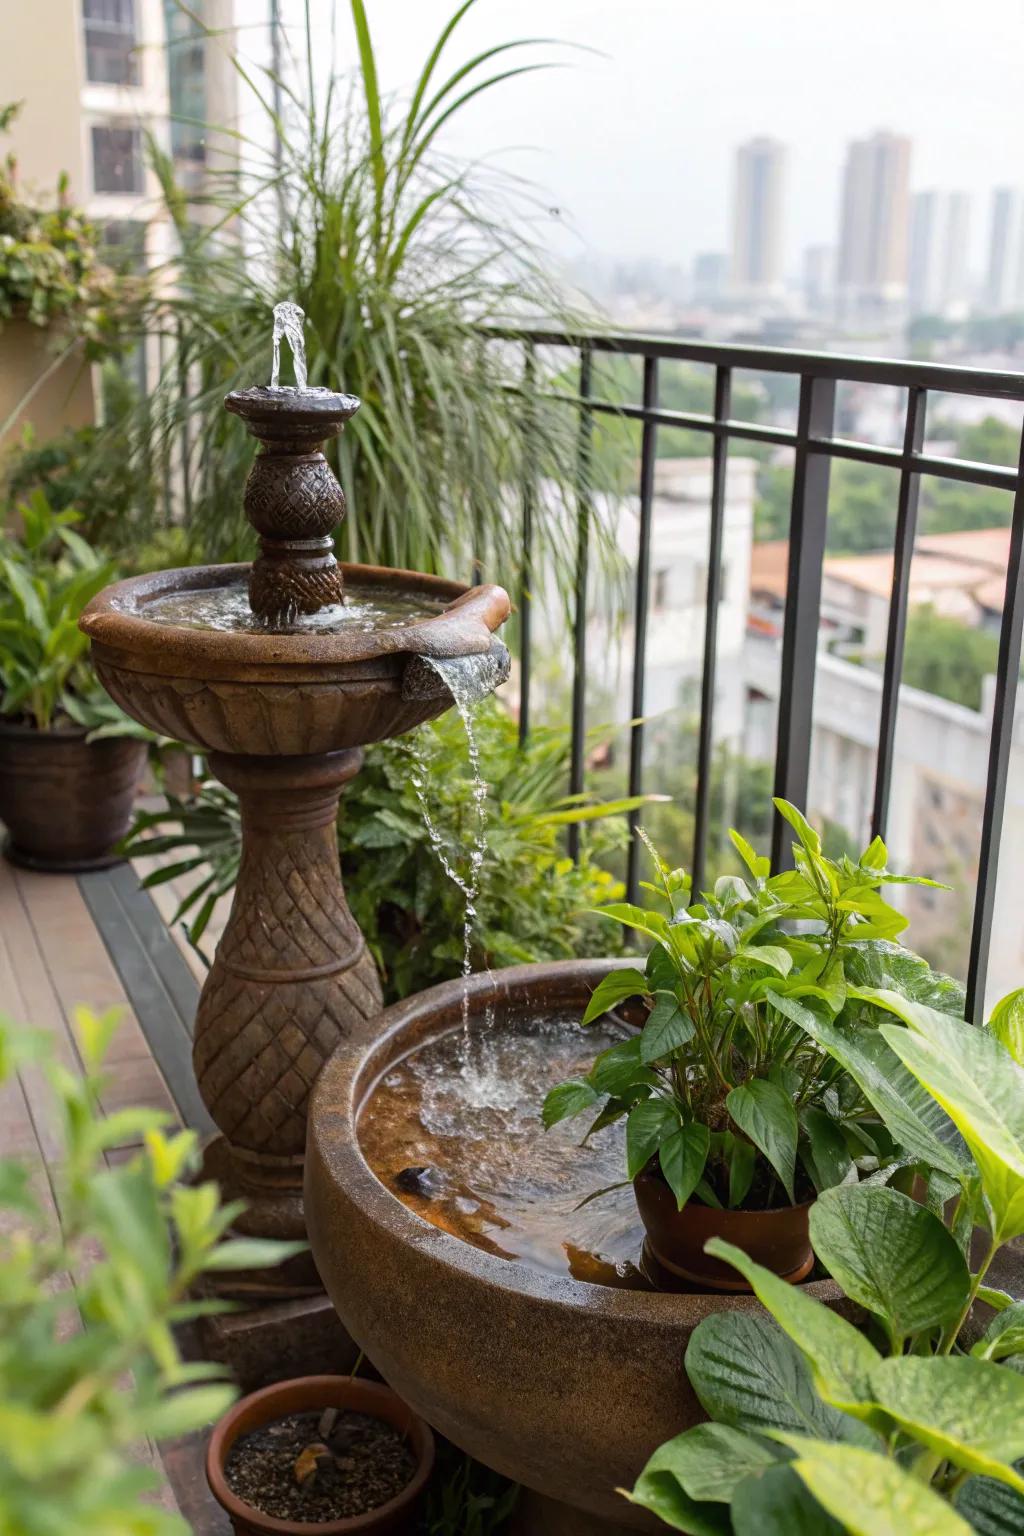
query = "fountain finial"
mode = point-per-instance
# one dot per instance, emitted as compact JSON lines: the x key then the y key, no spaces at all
{"x":292,"y":497}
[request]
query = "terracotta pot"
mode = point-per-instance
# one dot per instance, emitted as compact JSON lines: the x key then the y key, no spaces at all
{"x":307,"y":1394}
{"x":777,"y":1239}
{"x":66,"y":801}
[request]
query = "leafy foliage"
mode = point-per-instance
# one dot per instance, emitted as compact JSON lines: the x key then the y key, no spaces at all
{"x":733,"y":1083}
{"x":907,"y":1426}
{"x":398,"y":257}
{"x":49,"y":574}
{"x":948,"y":658}
{"x":533,"y":902}
{"x":87,"y":1371}
{"x":49,"y":268}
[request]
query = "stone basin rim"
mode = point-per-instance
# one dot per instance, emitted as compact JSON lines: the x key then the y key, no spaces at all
{"x":114,"y":622}
{"x":352,"y":1073}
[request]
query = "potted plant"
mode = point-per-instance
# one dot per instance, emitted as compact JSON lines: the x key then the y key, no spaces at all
{"x":89,"y":1370}
{"x":331,"y":1455}
{"x":70,"y":761}
{"x":915,"y":1422}
{"x":735,"y":1116}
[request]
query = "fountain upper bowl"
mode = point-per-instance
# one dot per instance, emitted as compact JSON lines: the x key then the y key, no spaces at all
{"x":269,"y":693}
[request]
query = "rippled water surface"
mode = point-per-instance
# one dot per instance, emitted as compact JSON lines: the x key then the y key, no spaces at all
{"x":227,"y":609}
{"x":454,"y":1131}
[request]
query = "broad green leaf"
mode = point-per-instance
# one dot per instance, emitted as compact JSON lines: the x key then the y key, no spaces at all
{"x":777,"y":1503}
{"x":841,"y":1358}
{"x":183,"y":1412}
{"x":1004,"y":1335}
{"x":742,"y":1162}
{"x":765,"y":1113}
{"x":991,"y":1507}
{"x":981,"y":1088}
{"x":661,"y":1494}
{"x":619,"y":1068}
{"x":912,"y":1116}
{"x":997,"y":1299}
{"x":1007,"y":1024}
{"x":801,"y":826}
{"x":748,"y":1374}
{"x":648,"y":1122}
{"x":252,"y":1253}
{"x":667,"y":1028}
{"x":891,"y":1255}
{"x":567,"y":1099}
{"x":709,"y":1460}
{"x":968,"y":1411}
{"x":652,"y":923}
{"x":682,"y":1154}
{"x":829,"y":1162}
{"x":869,"y":1494}
{"x":758,"y":865}
{"x":875,"y":855}
{"x":771,"y":955}
{"x":614,"y":989}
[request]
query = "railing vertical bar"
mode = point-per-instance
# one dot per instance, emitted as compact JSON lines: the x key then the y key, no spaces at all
{"x":529,"y":491}
{"x":807,"y":529}
{"x":1004,"y":703}
{"x":648,"y":459}
{"x":906,"y":530}
{"x":706,"y":736}
{"x":579,"y":682}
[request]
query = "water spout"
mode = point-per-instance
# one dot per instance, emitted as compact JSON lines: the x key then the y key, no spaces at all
{"x":288,"y":323}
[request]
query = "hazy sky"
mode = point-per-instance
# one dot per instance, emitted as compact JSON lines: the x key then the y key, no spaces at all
{"x":635,"y":141}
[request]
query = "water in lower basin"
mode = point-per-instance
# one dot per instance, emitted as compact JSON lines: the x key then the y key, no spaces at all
{"x":459,"y":1140}
{"x":227,"y":609}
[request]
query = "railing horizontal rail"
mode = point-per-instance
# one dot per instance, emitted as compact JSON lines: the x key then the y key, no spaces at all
{"x":948,"y":378}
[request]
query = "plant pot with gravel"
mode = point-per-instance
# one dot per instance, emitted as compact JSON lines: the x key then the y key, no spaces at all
{"x":320,"y":1456}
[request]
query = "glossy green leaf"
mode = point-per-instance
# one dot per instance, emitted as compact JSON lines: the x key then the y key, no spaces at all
{"x":709,"y":1460}
{"x":765,"y":1113}
{"x":758,"y":865}
{"x":891,"y":1255}
{"x":567,"y":1099}
{"x":1007,"y":1024}
{"x":992,"y":1508}
{"x":615,"y":988}
{"x":969,"y":1411}
{"x":667,"y":1028}
{"x":1004,"y":1335}
{"x":870,"y":1494}
{"x":773,"y":956}
{"x":742,"y":1162}
{"x":748,"y":1374}
{"x":801,"y":826}
{"x":661,"y":1494}
{"x":619,"y":1068}
{"x":648,"y":1122}
{"x":981,"y":1088}
{"x":683,"y":1154}
{"x":777,"y":1503}
{"x":841,"y":1357}
{"x":917,"y":1122}
{"x":829,"y":1162}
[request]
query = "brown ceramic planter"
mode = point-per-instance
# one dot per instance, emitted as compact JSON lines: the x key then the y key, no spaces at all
{"x":309,"y":1394}
{"x":66,"y":802}
{"x":777,"y":1239}
{"x":564,"y":1386}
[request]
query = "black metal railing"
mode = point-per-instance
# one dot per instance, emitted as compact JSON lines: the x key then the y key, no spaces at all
{"x":815,"y":445}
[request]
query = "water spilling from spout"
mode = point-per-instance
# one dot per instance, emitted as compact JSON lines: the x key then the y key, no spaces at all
{"x":288,"y":326}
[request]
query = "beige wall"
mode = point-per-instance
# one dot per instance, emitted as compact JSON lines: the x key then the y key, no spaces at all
{"x":40,"y":65}
{"x":63,"y":397}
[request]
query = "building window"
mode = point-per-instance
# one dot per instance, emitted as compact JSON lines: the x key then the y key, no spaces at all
{"x":123,"y":245}
{"x":116,"y":160}
{"x":110,"y":42}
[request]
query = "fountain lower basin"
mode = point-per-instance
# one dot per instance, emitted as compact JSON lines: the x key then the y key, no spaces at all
{"x":564,"y":1385}
{"x":312,"y":688}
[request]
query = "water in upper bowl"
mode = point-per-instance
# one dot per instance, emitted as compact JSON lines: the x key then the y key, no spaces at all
{"x":226,"y":608}
{"x":454,"y":1131}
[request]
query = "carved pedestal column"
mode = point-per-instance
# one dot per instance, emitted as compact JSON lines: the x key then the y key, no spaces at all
{"x":292,"y":977}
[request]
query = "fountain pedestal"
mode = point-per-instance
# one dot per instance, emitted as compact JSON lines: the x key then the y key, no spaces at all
{"x":292,"y":978}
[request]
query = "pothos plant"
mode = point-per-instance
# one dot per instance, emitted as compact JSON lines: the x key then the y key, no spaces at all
{"x":913,"y":1424}
{"x":723,"y":1092}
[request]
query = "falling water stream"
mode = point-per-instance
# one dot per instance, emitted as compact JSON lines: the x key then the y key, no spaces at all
{"x":288,"y":321}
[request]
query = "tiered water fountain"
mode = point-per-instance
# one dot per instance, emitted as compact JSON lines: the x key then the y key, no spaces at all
{"x":281,"y":671}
